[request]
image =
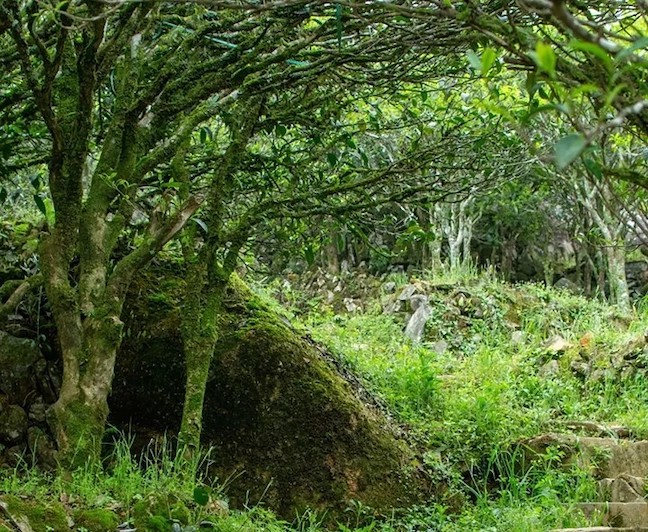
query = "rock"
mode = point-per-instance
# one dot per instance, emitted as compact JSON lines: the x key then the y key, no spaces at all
{"x":591,"y":428}
{"x":607,"y":457}
{"x":440,"y":346}
{"x":580,"y":368}
{"x":293,"y":427}
{"x":389,"y":287}
{"x":42,"y":447}
{"x":416,"y":324}
{"x":37,"y":411}
{"x":16,"y":454}
{"x":565,"y":284}
{"x":617,"y":514}
{"x":18,"y":357}
{"x":624,"y":488}
{"x":550,"y":369}
{"x":417,"y":300}
{"x":393,"y":307}
{"x":350,"y":305}
{"x":407,"y":292}
{"x":518,"y":337}
{"x":556,"y":345}
{"x":13,"y":425}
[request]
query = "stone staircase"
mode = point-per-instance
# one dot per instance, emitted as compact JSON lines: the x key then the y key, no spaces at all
{"x":619,"y":463}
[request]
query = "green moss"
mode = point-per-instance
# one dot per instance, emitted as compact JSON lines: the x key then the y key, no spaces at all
{"x":154,"y":513}
{"x":97,"y":520}
{"x":42,"y":517}
{"x":180,"y":512}
{"x":291,"y":431}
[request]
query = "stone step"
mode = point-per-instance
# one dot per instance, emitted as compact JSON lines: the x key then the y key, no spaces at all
{"x":617,"y":514}
{"x":592,"y":428}
{"x":606,"y":457}
{"x":624,"y":488}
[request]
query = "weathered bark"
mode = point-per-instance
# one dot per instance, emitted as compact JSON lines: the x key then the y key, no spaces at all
{"x":200,"y":324}
{"x":598,"y":201}
{"x":286,"y":423}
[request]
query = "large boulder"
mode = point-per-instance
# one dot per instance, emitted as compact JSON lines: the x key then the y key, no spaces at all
{"x":288,"y":425}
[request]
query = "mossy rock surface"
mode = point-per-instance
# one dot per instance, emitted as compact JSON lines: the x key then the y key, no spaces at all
{"x":39,"y":516}
{"x":96,"y":520}
{"x":286,"y":426}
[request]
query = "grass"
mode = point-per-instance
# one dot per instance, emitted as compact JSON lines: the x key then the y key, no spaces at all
{"x":482,"y":381}
{"x":471,"y":403}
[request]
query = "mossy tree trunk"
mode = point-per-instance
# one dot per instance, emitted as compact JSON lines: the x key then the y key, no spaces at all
{"x":91,"y":205}
{"x":208,"y":269}
{"x":200,"y":323}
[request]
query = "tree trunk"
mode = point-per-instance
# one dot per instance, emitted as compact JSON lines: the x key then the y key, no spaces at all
{"x":619,"y":294}
{"x":78,"y":417}
{"x":288,"y":425}
{"x":203,"y":302}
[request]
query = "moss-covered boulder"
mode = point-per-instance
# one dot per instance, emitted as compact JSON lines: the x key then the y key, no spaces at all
{"x":96,"y":519}
{"x":33,"y":515}
{"x":288,"y":428}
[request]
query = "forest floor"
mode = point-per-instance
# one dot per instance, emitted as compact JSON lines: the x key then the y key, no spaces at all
{"x":503,"y":396}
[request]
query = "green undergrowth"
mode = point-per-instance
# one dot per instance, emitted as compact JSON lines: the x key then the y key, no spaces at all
{"x":486,"y":376}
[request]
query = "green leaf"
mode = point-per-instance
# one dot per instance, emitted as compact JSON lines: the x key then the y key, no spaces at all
{"x":611,"y":95}
{"x":488,"y":59}
{"x":201,"y":495}
{"x":202,"y":224}
{"x":474,"y":60}
{"x":531,"y":85}
{"x":40,"y":204}
{"x":594,"y":49}
{"x":281,"y":130}
{"x":545,"y":58}
{"x":568,"y":149}
{"x":309,"y":255}
{"x":331,"y":158}
{"x":594,"y":167}
{"x":637,"y":45}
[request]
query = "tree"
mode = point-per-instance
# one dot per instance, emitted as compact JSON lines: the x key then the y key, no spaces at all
{"x":121,"y":90}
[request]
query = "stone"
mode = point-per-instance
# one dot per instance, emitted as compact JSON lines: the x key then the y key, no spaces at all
{"x":416,"y":325}
{"x":407,"y":292}
{"x":556,"y":345}
{"x":389,"y":287}
{"x":565,"y":284}
{"x":393,"y":307}
{"x":16,"y":454}
{"x":617,"y":514}
{"x":606,"y":457}
{"x":518,"y":337}
{"x":18,"y":357}
{"x":624,"y":488}
{"x":439,"y":347}
{"x":417,"y":300}
{"x":350,"y":305}
{"x":38,"y":411}
{"x":13,"y":425}
{"x":580,"y":368}
{"x":550,"y":369}
{"x":42,"y":447}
